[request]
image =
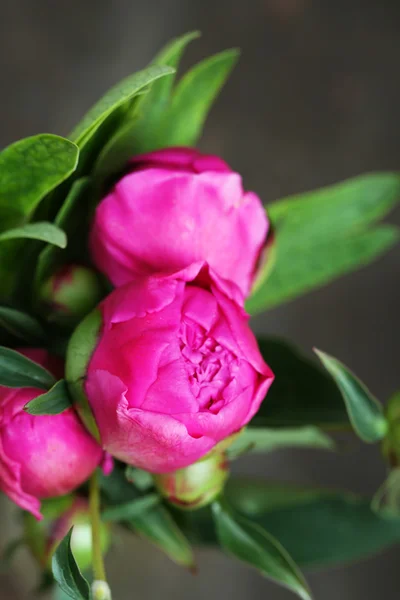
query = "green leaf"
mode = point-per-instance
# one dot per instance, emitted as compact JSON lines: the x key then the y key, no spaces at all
{"x":72,"y":217}
{"x":158,"y":526}
{"x":192,"y":99}
{"x":43,"y":231}
{"x":251,"y":544}
{"x":29,"y":170}
{"x":365,"y":412}
{"x":115,"y":98}
{"x":143,"y":480}
{"x":17,"y":370}
{"x":53,"y":402}
{"x":294,"y":399}
{"x":323,"y":234}
{"x":254,"y":439}
{"x":319,"y":528}
{"x":301,"y":267}
{"x":129,"y":510}
{"x":21,"y":325}
{"x":66,"y":572}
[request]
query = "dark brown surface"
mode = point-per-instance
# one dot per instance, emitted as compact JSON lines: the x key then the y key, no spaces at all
{"x":315,"y":99}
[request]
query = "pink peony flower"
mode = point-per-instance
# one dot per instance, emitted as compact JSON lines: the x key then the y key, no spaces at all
{"x":176,"y":370}
{"x":41,"y":456}
{"x":175,"y":207}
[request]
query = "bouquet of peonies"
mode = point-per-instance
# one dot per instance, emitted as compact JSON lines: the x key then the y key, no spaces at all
{"x":129,"y":375}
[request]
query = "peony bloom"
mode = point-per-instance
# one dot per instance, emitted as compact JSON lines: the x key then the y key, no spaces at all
{"x":175,"y":207}
{"x":176,"y":369}
{"x":41,"y":456}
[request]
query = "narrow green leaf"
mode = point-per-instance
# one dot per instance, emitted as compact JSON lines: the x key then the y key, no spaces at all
{"x":192,"y":99}
{"x":158,"y":526}
{"x":255,"y":439}
{"x":251,"y":544}
{"x":129,"y":510}
{"x":114,"y":98}
{"x":21,"y":325}
{"x":53,"y":402}
{"x":72,"y":217}
{"x":294,"y":399}
{"x":29,"y":170}
{"x":43,"y":231}
{"x":17,"y":370}
{"x":302,"y":265}
{"x":66,"y":572}
{"x":387,"y":498}
{"x":365,"y":412}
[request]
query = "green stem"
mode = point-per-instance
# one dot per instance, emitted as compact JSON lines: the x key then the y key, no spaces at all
{"x":94,"y":507}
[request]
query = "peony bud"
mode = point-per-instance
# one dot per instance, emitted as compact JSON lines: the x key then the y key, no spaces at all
{"x":70,"y":294}
{"x":41,"y":456}
{"x":60,"y":514}
{"x":197,"y":485}
{"x":176,"y":207}
{"x":166,"y":369}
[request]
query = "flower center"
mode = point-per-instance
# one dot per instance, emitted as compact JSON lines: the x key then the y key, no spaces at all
{"x":209,"y":365}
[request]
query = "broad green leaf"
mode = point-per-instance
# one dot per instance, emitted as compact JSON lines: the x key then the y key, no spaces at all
{"x":115,"y":98}
{"x":29,"y":170}
{"x":129,"y":510}
{"x":53,"y":402}
{"x":17,"y":370}
{"x":72,"y":218}
{"x":262,"y":439}
{"x":251,"y":544}
{"x":323,"y":234}
{"x":319,"y":528}
{"x":158,"y":526}
{"x":302,"y":393}
{"x":21,"y":325}
{"x":191,"y":101}
{"x":66,"y":572}
{"x":365,"y":412}
{"x":43,"y":231}
{"x":302,"y":265}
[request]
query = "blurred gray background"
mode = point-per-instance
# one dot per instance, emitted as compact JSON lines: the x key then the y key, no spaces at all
{"x":315,"y":99}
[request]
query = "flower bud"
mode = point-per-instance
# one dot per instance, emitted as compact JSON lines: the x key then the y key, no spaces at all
{"x":60,"y":514}
{"x":195,"y":486}
{"x":70,"y":294}
{"x":41,"y":456}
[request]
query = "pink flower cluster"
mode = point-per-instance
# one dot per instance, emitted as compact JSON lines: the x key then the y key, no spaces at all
{"x":176,"y":368}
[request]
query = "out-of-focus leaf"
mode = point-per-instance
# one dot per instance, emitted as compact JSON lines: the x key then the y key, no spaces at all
{"x":250,"y":543}
{"x":21,"y":325}
{"x":16,"y":370}
{"x":365,"y":412}
{"x":262,"y":439}
{"x":129,"y":510}
{"x":387,"y":498}
{"x":302,"y":393}
{"x":43,"y":231}
{"x":319,"y":528}
{"x":326,"y":233}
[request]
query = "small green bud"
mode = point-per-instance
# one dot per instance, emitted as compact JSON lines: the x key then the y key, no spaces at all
{"x":195,"y":486}
{"x":70,"y":294}
{"x":60,"y":514}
